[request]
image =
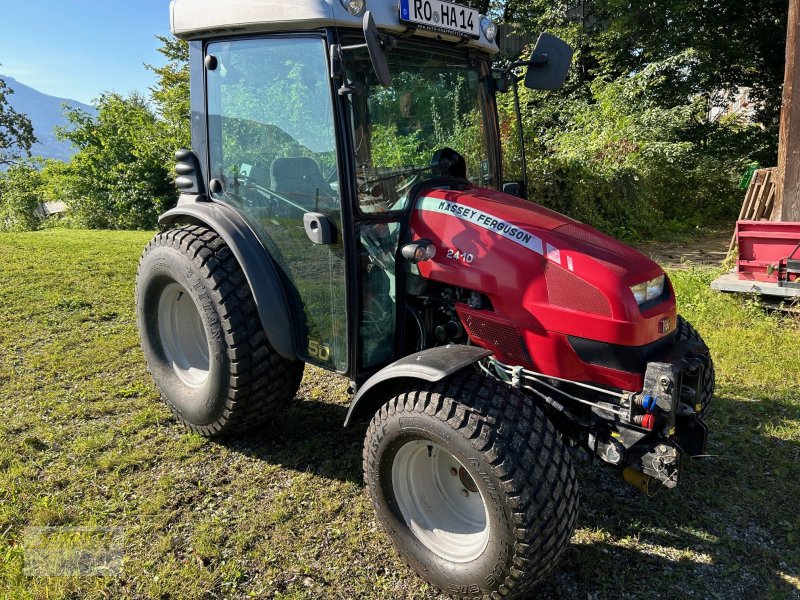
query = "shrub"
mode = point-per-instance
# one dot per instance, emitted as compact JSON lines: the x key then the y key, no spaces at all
{"x":613,"y":156}
{"x":20,"y":195}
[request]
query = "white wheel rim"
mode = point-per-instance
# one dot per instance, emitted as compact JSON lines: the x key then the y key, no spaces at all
{"x":431,"y":489}
{"x":183,"y":335}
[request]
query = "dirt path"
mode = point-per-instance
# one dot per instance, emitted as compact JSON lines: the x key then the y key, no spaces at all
{"x":708,"y":251}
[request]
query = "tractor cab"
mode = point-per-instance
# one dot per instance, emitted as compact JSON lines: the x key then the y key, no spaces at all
{"x":317,"y":131}
{"x":343,"y":204}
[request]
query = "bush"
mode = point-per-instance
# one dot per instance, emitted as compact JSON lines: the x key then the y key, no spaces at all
{"x":20,"y":195}
{"x":119,"y":177}
{"x":612,"y":156}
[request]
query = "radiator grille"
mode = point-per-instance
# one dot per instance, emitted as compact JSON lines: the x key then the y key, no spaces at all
{"x":495,"y":333}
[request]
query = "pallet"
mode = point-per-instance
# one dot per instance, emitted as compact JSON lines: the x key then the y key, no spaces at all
{"x":759,"y":201}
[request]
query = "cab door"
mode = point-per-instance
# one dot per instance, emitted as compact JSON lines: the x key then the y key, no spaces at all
{"x":273,"y":156}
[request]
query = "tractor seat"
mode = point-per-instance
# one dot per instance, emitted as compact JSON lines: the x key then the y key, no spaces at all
{"x":300,"y":180}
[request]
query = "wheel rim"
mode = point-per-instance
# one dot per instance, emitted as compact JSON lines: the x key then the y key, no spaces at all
{"x":440,"y":502}
{"x":183,"y":335}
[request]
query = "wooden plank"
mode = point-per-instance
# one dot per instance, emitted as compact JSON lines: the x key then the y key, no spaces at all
{"x":748,"y":198}
{"x":766,"y":211}
{"x":760,"y":200}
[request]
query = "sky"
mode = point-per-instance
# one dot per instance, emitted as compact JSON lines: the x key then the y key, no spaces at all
{"x":78,"y":49}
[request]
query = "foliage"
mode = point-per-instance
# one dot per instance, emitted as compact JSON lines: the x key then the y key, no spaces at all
{"x":20,"y":195}
{"x":119,"y":177}
{"x":443,"y":114}
{"x":391,"y":149}
{"x":16,"y":131}
{"x":615,"y":156}
{"x":171,"y":93}
{"x":735,"y":45}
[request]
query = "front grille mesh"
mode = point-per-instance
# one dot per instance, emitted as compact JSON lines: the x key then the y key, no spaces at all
{"x":495,"y":333}
{"x":570,"y":291}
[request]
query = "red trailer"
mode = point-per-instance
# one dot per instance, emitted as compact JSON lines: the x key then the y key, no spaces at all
{"x":768,"y":261}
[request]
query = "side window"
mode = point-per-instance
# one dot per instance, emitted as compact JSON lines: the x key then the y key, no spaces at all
{"x":272,"y":145}
{"x":271,"y":121}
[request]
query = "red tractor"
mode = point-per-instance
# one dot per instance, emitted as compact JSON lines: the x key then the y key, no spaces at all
{"x":343,"y":205}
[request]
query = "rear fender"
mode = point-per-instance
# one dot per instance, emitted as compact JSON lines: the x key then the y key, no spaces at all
{"x":258,"y":266}
{"x":431,"y":365}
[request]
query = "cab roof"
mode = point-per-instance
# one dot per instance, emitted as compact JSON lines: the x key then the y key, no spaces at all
{"x":205,"y":19}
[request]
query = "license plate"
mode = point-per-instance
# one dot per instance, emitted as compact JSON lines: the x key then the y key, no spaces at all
{"x":441,"y":16}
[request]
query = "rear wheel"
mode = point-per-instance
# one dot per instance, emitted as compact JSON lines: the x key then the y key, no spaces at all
{"x":687,"y":332}
{"x":202,"y":337}
{"x":473,"y":484}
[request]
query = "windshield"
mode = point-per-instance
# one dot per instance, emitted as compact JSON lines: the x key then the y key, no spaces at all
{"x":436,"y":101}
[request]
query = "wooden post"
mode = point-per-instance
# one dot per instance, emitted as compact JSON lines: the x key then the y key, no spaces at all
{"x":787,"y":201}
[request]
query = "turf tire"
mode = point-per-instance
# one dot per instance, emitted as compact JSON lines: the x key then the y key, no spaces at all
{"x":687,"y":332}
{"x":516,"y":459}
{"x":247,"y":380}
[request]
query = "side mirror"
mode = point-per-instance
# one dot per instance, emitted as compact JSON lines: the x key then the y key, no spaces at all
{"x":549,"y":63}
{"x":377,"y":44}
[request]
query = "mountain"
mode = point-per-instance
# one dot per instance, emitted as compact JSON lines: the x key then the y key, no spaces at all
{"x":45,"y":113}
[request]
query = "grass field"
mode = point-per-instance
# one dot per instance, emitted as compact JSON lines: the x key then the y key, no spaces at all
{"x":282,"y":513}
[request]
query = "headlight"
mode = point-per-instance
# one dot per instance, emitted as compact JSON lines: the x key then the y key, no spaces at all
{"x":489,"y":28}
{"x":644,"y":292}
{"x":354,"y":7}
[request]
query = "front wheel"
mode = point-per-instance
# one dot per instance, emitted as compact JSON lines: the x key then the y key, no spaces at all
{"x":687,"y":332}
{"x":473,"y":484}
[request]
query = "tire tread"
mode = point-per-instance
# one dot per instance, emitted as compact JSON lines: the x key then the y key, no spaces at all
{"x":687,"y":332}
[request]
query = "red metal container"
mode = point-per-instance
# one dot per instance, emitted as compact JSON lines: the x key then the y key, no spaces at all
{"x":762,"y":244}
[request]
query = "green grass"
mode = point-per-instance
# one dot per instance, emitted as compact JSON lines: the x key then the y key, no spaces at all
{"x":282,"y":513}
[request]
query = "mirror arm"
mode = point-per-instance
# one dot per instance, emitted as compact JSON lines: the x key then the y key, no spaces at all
{"x":377,"y":44}
{"x":387,"y":42}
{"x":337,"y":72}
{"x":537,"y":60}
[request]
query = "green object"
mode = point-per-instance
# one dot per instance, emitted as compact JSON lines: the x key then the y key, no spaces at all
{"x":747,"y":176}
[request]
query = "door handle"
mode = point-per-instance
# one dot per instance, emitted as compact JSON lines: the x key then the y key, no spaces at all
{"x":319,"y":228}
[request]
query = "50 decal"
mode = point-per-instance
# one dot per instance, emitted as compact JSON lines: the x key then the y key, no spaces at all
{"x":465,"y":257}
{"x":319,"y":350}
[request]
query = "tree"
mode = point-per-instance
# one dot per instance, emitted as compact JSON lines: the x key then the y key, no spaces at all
{"x":119,"y":178}
{"x":16,"y":131}
{"x":735,"y":45}
{"x":171,"y":92}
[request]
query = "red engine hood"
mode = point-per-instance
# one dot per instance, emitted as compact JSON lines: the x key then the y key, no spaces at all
{"x":539,"y":268}
{"x":552,"y":235}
